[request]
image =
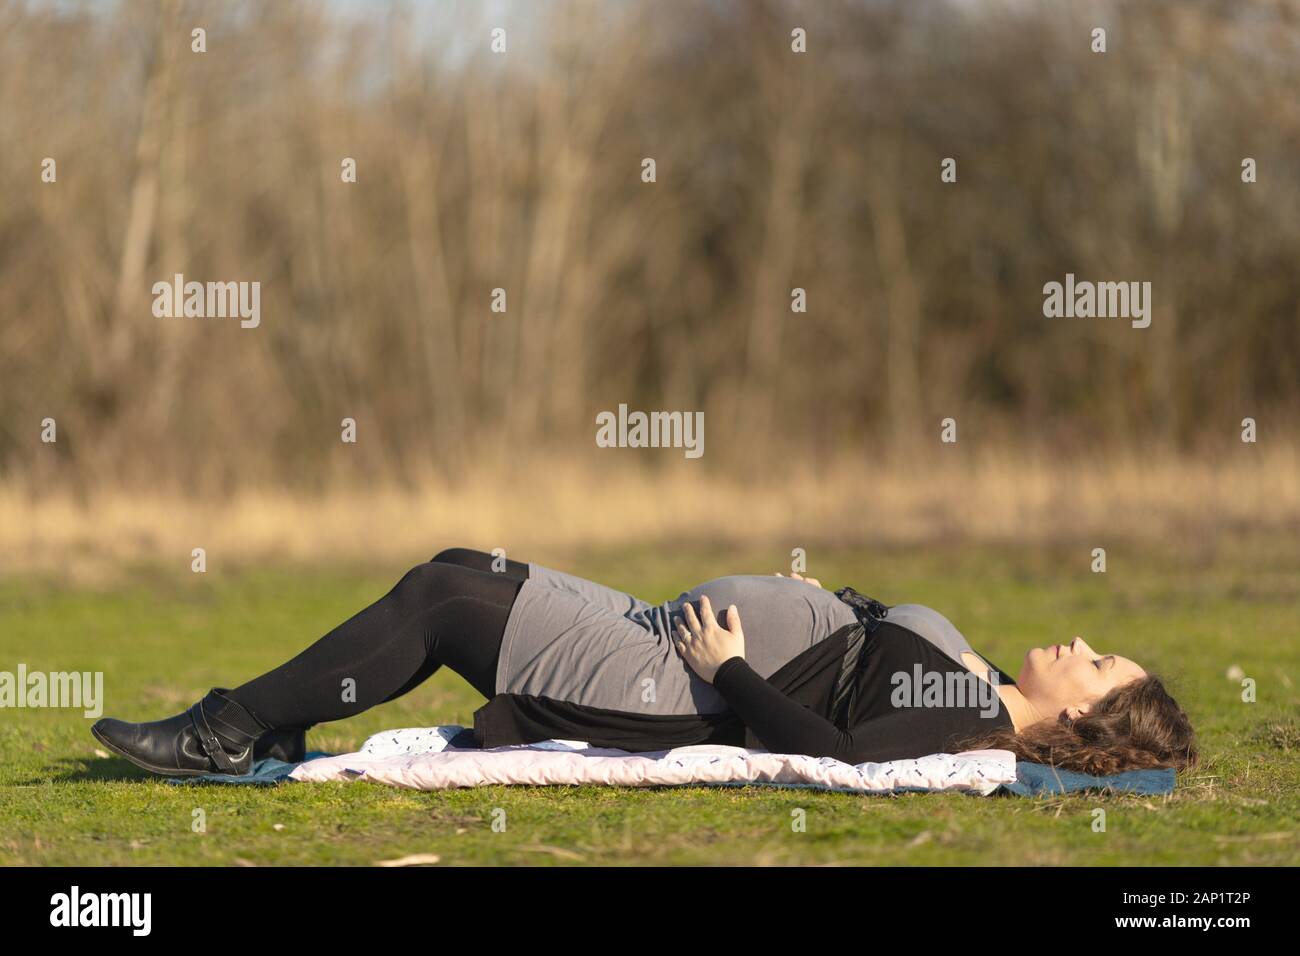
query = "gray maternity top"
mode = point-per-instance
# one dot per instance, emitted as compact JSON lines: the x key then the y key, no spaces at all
{"x":573,"y":640}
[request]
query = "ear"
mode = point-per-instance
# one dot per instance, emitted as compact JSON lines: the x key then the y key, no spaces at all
{"x":1074,"y":713}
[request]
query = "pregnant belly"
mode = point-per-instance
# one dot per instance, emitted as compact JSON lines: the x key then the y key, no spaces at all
{"x":780,"y":617}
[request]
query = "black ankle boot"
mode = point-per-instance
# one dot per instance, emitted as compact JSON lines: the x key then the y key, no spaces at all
{"x":288,"y":744}
{"x":216,"y":735}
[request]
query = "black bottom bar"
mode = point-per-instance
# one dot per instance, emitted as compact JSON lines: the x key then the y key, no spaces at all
{"x":335,"y":906}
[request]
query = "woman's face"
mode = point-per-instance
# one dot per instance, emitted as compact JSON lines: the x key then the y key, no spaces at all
{"x":1069,"y":678}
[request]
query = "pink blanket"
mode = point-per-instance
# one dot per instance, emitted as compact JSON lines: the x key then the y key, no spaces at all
{"x":419,"y":759}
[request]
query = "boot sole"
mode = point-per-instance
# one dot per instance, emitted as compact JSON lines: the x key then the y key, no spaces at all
{"x":145,"y":765}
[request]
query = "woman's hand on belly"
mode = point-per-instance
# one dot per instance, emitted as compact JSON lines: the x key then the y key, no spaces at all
{"x":704,"y":643}
{"x":799,"y":577}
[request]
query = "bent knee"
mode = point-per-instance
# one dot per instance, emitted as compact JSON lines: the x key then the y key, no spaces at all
{"x":426,"y":584}
{"x":465,"y":557}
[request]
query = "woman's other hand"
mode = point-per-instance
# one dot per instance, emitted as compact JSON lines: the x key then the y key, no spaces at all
{"x":704,"y":643}
{"x":799,"y":577}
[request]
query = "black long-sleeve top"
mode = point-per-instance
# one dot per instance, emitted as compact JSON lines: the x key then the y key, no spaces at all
{"x":897,"y":711}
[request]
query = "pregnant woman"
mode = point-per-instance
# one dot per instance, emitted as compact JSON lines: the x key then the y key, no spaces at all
{"x":808,"y":671}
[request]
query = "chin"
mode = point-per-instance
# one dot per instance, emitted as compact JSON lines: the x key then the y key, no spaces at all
{"x":1030,"y":669}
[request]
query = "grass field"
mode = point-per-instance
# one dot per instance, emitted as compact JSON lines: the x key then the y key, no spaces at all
{"x":162,"y":639}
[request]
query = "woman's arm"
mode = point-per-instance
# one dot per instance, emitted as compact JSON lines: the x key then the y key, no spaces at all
{"x":783,"y":726}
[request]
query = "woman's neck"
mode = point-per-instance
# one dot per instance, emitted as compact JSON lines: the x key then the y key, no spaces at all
{"x":1023,"y":714}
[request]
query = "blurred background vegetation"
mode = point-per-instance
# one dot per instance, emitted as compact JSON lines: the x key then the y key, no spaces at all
{"x":522,"y":171}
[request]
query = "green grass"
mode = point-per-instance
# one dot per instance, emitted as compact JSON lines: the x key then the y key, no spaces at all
{"x":162,"y":640}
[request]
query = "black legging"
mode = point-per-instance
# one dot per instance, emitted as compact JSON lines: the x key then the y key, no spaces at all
{"x":452,"y":610}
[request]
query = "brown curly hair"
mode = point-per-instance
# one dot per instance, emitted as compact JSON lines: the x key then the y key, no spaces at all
{"x":1137,"y":726}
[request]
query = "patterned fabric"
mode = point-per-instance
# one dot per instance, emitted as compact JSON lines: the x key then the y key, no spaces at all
{"x":420,"y":759}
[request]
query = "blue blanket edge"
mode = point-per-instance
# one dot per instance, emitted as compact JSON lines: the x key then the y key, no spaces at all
{"x":1035,"y":778}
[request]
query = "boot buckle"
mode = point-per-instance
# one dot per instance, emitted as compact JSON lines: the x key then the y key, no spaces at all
{"x":208,"y":740}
